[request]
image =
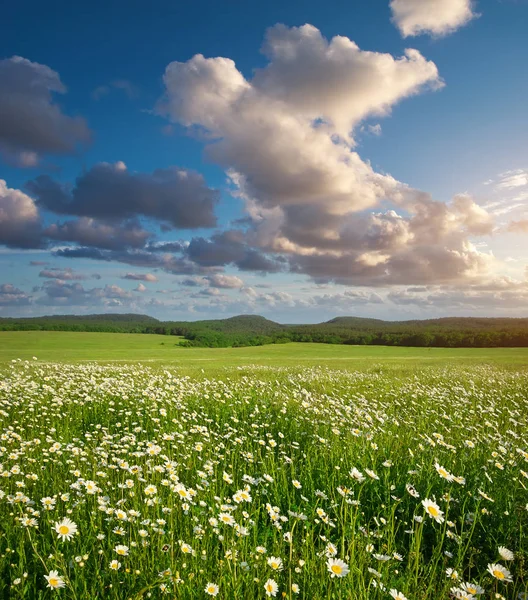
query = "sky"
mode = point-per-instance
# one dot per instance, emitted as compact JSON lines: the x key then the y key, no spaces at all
{"x":298,"y":160}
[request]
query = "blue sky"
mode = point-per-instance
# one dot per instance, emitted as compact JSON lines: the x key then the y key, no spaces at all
{"x":339,"y":177}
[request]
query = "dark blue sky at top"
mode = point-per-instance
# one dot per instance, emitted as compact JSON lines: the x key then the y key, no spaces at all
{"x":429,"y":141}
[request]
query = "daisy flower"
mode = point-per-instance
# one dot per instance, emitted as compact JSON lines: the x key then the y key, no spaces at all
{"x":433,"y":510}
{"x":472,"y":588}
{"x":499,"y":572}
{"x":506,"y":554}
{"x":121,"y":550}
{"x":115,"y":565}
{"x":54,"y":581}
{"x":397,"y":595}
{"x":275,"y":563}
{"x":337,"y":567}
{"x":211,"y":589}
{"x":66,"y":529}
{"x":271,"y":587}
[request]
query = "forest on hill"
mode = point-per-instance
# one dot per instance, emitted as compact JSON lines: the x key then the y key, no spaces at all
{"x":254,"y":330}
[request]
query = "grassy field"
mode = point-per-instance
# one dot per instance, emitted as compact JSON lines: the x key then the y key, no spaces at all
{"x":129,"y":481}
{"x":108,"y":347}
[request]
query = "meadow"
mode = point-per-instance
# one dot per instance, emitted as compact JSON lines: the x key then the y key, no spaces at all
{"x":295,"y":471}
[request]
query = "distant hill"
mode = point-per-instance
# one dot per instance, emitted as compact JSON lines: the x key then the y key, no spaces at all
{"x":251,"y":330}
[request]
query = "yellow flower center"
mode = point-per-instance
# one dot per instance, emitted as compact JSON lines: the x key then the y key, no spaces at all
{"x":498,"y":574}
{"x":337,"y":569}
{"x":432,"y":511}
{"x":54,"y":582}
{"x":269,"y":587}
{"x":64,"y":530}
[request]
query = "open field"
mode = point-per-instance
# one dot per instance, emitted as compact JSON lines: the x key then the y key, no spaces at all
{"x":107,"y":347}
{"x":133,"y":481}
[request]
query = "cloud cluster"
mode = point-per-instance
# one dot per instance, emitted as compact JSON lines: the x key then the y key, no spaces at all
{"x":31,"y":123}
{"x":20,"y":224}
{"x":286,"y":139}
{"x":177,"y":197}
{"x":12,"y":296}
{"x":436,"y":17}
{"x":150,"y":277}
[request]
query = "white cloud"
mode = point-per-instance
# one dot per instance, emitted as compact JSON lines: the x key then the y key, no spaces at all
{"x":20,"y":224}
{"x":286,"y":139}
{"x":435,"y":17}
{"x":219,"y":280}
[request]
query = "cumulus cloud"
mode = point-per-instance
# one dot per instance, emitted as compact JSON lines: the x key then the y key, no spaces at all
{"x":435,"y":17}
{"x":518,"y":226}
{"x":61,"y":293}
{"x":31,"y":123}
{"x":219,"y":280}
{"x":64,"y":274}
{"x":12,"y":296}
{"x":177,"y":197}
{"x":286,"y":140}
{"x":20,"y":224}
{"x":91,"y":232}
{"x":140,"y":288}
{"x":150,"y":277}
{"x":136,"y":258}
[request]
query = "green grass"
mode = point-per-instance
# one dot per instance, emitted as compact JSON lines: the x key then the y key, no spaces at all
{"x":193,"y":476}
{"x":70,"y":347}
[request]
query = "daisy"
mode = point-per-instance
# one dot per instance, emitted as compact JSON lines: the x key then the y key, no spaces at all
{"x":397,"y":595}
{"x":66,"y":529}
{"x":226,"y":518}
{"x":472,"y":588}
{"x":433,"y":510}
{"x":506,"y":554}
{"x":54,"y":581}
{"x":121,"y":550}
{"x":115,"y":565}
{"x":337,"y":567}
{"x":443,"y":472}
{"x":357,"y":475}
{"x":296,"y":484}
{"x":499,"y":572}
{"x":211,"y":589}
{"x":275,"y":563}
{"x":271,"y":587}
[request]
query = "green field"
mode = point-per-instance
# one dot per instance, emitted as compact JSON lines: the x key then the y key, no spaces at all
{"x":51,"y":346}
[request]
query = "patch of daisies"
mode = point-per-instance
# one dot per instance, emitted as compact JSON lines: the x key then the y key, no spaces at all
{"x":131,"y":482}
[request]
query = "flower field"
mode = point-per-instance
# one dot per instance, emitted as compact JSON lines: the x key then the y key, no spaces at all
{"x":128,"y":482}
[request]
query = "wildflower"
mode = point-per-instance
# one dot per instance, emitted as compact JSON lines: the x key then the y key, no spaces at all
{"x":433,"y":510}
{"x":357,"y":475}
{"x":54,"y":581}
{"x":226,"y":518}
{"x":337,"y":567}
{"x":296,"y":484}
{"x":506,"y":554}
{"x":499,"y":572}
{"x":443,"y":472}
{"x":115,"y":565}
{"x":397,"y":595}
{"x":271,"y":587}
{"x":211,"y":589}
{"x":121,"y":550}
{"x":295,"y":588}
{"x":66,"y":529}
{"x":275,"y":563}
{"x":472,"y":588}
